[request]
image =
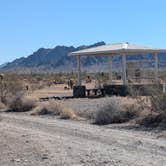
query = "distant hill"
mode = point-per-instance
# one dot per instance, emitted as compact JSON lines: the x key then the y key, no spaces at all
{"x":57,"y":60}
{"x":52,"y":60}
{"x":3,"y":65}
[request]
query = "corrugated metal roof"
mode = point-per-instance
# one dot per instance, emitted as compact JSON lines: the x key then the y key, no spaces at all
{"x":117,"y":48}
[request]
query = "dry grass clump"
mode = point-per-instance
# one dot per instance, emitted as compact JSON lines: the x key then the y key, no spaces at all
{"x":20,"y":104}
{"x":47,"y":108}
{"x":117,"y":111}
{"x":67,"y":113}
{"x":54,"y":108}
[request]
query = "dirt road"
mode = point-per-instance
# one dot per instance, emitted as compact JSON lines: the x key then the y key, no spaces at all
{"x":31,"y":141}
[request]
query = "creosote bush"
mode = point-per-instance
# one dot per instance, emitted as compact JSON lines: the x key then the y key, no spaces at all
{"x":20,"y":104}
{"x":116,"y":112}
{"x":157,"y":114}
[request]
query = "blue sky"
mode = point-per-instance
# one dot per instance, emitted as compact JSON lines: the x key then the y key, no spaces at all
{"x":26,"y":25}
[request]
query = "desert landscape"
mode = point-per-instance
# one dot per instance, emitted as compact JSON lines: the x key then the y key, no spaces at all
{"x":78,"y":131}
{"x":82,"y":83}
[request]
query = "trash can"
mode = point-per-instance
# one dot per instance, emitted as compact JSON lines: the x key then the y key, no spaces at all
{"x":79,"y":91}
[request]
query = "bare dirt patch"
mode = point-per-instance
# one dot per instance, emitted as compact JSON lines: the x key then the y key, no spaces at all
{"x":45,"y":140}
{"x":26,"y":140}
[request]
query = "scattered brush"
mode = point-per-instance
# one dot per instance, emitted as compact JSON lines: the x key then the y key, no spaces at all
{"x":151,"y":120}
{"x":116,"y":112}
{"x":54,"y":108}
{"x":20,"y":104}
{"x":157,"y":115}
{"x":158,"y":102}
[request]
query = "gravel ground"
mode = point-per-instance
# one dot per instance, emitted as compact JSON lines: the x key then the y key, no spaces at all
{"x":48,"y":141}
{"x":30,"y":141}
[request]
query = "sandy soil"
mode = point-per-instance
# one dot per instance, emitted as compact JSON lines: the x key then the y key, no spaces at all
{"x":56,"y":90}
{"x":30,"y":141}
{"x":48,"y":141}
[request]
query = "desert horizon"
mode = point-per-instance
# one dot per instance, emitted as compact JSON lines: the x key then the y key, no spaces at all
{"x":82,"y":83}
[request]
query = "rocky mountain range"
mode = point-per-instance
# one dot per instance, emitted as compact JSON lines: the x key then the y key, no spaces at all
{"x":52,"y":60}
{"x":57,"y":60}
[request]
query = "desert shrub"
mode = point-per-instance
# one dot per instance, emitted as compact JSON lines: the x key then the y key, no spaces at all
{"x":54,"y":108}
{"x":157,"y":114}
{"x":152,"y":120}
{"x":109,"y":114}
{"x":158,"y":100}
{"x":20,"y":104}
{"x":10,"y":85}
{"x":116,"y":112}
{"x":143,"y":90}
{"x":158,"y":103}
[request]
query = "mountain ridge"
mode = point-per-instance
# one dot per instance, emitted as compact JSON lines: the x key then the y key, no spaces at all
{"x":57,"y":60}
{"x":51,"y":58}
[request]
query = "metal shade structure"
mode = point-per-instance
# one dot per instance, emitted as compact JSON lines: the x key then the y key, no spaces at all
{"x":122,"y":49}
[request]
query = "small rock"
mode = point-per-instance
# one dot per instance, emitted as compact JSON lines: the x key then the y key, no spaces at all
{"x":139,"y":142}
{"x":24,"y":135}
{"x":44,"y":157}
{"x":162,"y":147}
{"x":105,"y":162}
{"x":82,"y":161}
{"x":17,"y":160}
